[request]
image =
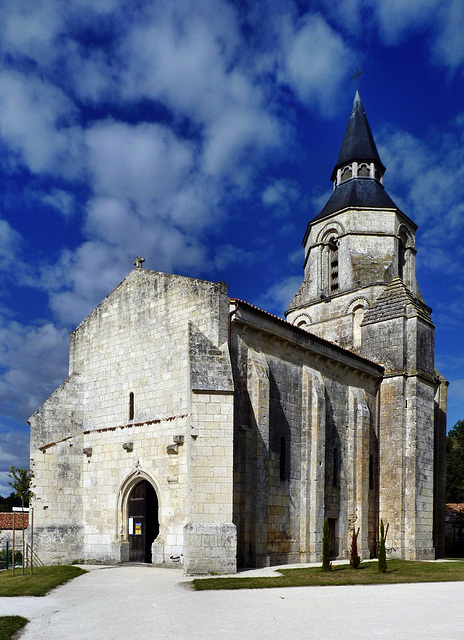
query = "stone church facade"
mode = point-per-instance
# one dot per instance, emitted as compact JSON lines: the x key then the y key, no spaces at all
{"x":199,"y":431}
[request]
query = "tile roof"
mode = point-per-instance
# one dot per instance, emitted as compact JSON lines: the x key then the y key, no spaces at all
{"x":6,"y":521}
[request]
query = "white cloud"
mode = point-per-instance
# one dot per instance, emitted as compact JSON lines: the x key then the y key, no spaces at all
{"x":34,"y":360}
{"x":29,"y":29}
{"x":397,"y":17}
{"x":10,"y":244}
{"x":441,"y":24}
{"x":277,"y":298}
{"x":280,"y":196}
{"x":144,"y":163}
{"x":227,"y":255}
{"x":188,"y":57}
{"x":14,"y":450}
{"x":36,"y":121}
{"x":61,"y":201}
{"x":429,"y":175}
{"x":449,"y":44}
{"x":235,"y":138}
{"x":181,"y":53}
{"x":316,"y":61}
{"x":456,"y":392}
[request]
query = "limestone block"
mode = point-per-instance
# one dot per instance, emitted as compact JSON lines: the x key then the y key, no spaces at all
{"x":210,"y":548}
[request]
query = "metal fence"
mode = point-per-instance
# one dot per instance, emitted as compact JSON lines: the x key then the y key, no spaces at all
{"x":6,"y":556}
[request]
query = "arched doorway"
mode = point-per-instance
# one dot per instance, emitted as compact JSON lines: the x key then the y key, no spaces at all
{"x":143,"y":524}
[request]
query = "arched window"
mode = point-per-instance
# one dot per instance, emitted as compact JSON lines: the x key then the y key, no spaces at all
{"x":364,"y":171}
{"x":347,"y":173}
{"x":358,"y":315}
{"x":404,"y":242}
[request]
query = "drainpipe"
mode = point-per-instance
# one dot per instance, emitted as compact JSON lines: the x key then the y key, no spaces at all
{"x":378,"y":465}
{"x":229,"y":323}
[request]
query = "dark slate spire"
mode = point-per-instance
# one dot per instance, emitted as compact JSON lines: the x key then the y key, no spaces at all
{"x":358,"y":174}
{"x":358,"y":143}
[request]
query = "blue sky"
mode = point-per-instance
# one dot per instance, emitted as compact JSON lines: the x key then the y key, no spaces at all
{"x":201,"y":135}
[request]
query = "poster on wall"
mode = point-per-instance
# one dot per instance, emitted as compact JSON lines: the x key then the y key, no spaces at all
{"x":131,"y":526}
{"x":138,"y":529}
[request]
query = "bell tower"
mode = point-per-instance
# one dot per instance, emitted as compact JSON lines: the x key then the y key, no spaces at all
{"x":356,"y":245}
{"x":360,"y":291}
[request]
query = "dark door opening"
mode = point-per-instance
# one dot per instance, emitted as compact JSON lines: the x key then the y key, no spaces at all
{"x":143,"y":521}
{"x":333,"y":541}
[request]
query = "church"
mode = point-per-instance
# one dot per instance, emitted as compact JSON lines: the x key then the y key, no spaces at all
{"x":198,"y":431}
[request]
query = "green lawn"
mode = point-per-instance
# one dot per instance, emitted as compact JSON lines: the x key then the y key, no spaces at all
{"x":43,"y":580}
{"x":368,"y":573}
{"x":9,"y":625}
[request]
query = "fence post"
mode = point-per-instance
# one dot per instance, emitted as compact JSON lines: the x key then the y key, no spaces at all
{"x":22,"y":564}
{"x":31,"y":522}
{"x":14,"y":535}
{"x":7,"y":558}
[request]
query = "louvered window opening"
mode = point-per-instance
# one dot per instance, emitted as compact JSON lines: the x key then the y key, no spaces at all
{"x":333,"y":266}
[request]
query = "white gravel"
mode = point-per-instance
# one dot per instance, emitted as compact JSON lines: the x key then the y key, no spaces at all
{"x":142,"y":602}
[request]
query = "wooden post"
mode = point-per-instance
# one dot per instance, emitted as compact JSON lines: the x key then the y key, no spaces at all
{"x":14,"y":532}
{"x":24,"y":546}
{"x":31,"y":522}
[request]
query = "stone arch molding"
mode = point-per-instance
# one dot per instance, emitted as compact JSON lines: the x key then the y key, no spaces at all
{"x":404,"y":232}
{"x":302,"y":320}
{"x":359,"y":302}
{"x":331,"y":229}
{"x":133,"y":477}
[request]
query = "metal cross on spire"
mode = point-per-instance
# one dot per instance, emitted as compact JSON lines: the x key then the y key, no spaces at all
{"x":356,"y":77}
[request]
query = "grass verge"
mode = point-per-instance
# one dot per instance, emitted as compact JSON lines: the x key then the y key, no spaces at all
{"x":43,"y":580}
{"x":10,"y":624}
{"x":398,"y":571}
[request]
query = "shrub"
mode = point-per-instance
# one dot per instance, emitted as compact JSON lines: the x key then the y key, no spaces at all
{"x":355,"y":560}
{"x":382,"y":550}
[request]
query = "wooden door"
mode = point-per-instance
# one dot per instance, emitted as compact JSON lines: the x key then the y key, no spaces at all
{"x":143,"y":526}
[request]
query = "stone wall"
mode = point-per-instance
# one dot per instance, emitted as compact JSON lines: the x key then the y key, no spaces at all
{"x":300,"y":410}
{"x":141,"y":402}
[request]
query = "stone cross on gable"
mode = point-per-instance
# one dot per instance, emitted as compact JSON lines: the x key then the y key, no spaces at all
{"x":139,"y":262}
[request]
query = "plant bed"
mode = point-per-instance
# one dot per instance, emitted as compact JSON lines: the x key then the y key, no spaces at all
{"x":399,"y":571}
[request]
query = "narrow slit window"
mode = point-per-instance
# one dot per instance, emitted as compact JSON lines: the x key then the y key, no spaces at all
{"x":371,"y":472}
{"x":131,"y":405}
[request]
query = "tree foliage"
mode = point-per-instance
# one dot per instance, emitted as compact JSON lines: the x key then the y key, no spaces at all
{"x":8,"y":502}
{"x":382,"y":549}
{"x":455,"y":463}
{"x":22,"y":483}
